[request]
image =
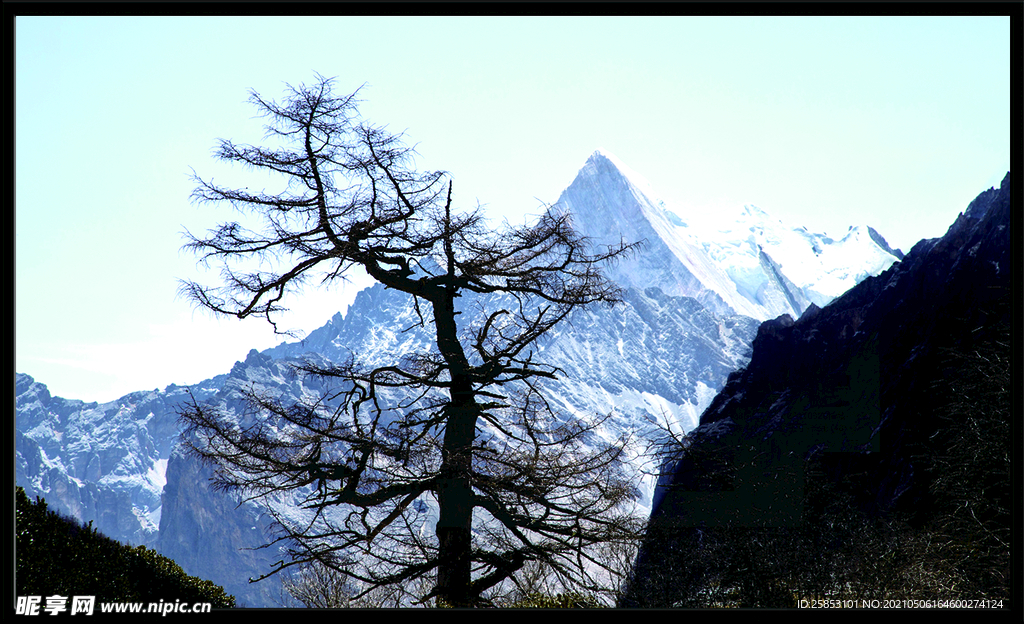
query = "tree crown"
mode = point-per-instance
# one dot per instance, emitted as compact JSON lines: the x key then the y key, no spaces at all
{"x":464,"y":424}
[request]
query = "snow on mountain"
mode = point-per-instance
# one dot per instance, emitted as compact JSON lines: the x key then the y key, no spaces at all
{"x":822,"y":268}
{"x":741,"y":263}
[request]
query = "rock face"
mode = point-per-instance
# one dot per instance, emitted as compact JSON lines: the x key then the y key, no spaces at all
{"x":205,"y":530}
{"x":219,"y":533}
{"x":663,"y":352}
{"x":853,"y":387}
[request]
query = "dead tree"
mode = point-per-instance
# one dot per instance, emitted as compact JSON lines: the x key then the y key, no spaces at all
{"x":465,"y":424}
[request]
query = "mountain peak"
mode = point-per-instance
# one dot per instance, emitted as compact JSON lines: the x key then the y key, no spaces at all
{"x":603,"y":162}
{"x":601,"y":152}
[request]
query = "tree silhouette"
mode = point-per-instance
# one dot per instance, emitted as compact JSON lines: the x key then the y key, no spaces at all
{"x":465,"y":423}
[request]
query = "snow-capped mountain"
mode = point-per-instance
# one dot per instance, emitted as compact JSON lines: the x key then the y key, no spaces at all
{"x":694,"y":296}
{"x":733,"y":262}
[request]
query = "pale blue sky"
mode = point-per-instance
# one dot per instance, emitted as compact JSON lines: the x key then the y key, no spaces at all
{"x":894,"y":122}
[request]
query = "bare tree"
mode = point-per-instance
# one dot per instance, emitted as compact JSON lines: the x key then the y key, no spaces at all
{"x":315,"y":586}
{"x":465,"y":424}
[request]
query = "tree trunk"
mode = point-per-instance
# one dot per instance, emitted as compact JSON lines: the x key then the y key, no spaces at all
{"x":455,"y":490}
{"x":455,"y":497}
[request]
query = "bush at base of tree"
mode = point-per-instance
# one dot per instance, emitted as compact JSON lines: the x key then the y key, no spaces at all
{"x":57,"y":555}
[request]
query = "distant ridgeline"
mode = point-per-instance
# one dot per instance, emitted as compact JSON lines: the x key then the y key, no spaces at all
{"x":863,"y":452}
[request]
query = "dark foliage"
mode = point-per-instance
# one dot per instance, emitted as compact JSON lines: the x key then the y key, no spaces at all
{"x":57,"y":555}
{"x":970,"y":467}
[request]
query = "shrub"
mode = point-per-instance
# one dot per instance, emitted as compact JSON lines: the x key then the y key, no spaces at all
{"x":58,"y":555}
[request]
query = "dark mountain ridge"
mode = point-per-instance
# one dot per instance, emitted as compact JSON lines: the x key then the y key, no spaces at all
{"x":848,"y":398}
